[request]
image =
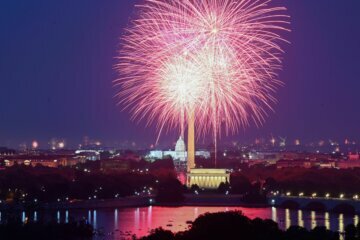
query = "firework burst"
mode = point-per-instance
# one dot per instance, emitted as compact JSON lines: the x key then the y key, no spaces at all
{"x":215,"y":58}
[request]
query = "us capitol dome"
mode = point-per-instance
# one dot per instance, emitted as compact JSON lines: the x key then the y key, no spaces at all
{"x":180,"y":153}
{"x":180,"y":150}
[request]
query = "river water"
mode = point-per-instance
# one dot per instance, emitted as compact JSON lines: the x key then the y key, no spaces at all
{"x":122,"y":223}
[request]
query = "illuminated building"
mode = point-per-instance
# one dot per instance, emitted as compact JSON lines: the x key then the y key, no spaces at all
{"x":270,"y":157}
{"x":180,"y":150}
{"x":203,"y":178}
{"x":207,"y":178}
{"x":354,"y":156}
{"x":53,"y":161}
{"x":91,"y":155}
{"x":348,"y":164}
{"x":6,"y":152}
{"x":180,"y":153}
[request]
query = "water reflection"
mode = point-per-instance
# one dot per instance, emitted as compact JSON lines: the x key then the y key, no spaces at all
{"x":341,"y":223}
{"x":287,"y":218}
{"x":58,"y":217}
{"x":149,"y":216}
{"x":327,"y":221}
{"x":95,"y":219}
{"x":313,"y":219}
{"x":116,"y":218}
{"x":137,"y":218}
{"x":274,"y":214}
{"x":66,"y":216}
{"x":89,"y":216}
{"x":140,"y":220}
{"x":23,"y":217}
{"x":300,"y":218}
{"x":356,"y":220}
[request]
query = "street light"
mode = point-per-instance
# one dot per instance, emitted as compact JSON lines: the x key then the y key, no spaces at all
{"x":288,"y":194}
{"x":301,"y":194}
{"x":314,"y":195}
{"x":327,"y":195}
{"x":341,"y":196}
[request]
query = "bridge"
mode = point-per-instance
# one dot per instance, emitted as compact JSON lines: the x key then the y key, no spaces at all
{"x":315,"y":203}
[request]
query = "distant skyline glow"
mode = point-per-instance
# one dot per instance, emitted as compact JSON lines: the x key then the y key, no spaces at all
{"x":56,"y":74}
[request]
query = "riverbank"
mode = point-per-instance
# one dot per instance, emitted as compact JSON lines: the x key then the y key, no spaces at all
{"x":209,"y":200}
{"x":190,"y":200}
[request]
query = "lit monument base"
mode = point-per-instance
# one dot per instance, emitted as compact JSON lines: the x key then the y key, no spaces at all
{"x":207,"y":178}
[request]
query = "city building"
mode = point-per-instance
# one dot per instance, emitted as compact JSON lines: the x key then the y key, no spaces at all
{"x":306,"y":163}
{"x":52,"y":161}
{"x":6,"y":152}
{"x":270,"y":157}
{"x":207,"y":178}
{"x":114,"y":165}
{"x":348,"y":164}
{"x":179,"y":154}
{"x":286,"y":163}
{"x":91,"y":155}
{"x":354,"y":156}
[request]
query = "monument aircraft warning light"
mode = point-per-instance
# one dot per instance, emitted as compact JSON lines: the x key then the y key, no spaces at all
{"x":209,"y":64}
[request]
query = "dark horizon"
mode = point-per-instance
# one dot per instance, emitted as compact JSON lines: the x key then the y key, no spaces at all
{"x":56,"y":70}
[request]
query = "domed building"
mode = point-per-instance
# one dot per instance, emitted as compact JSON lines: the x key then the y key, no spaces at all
{"x":180,"y":150}
{"x":180,"y":145}
{"x":180,"y":153}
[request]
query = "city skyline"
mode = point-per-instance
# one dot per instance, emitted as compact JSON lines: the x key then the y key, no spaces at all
{"x":179,"y":119}
{"x":57,"y":78}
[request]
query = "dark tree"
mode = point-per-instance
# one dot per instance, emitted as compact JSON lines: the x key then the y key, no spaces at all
{"x":170,"y":190}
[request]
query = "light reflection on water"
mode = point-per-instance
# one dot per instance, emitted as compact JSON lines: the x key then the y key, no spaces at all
{"x":313,"y":219}
{"x":341,"y":223}
{"x":116,"y":219}
{"x":122,"y":223}
{"x":94,"y":223}
{"x":356,"y":220}
{"x":89,"y":217}
{"x":23,"y":217}
{"x":287,"y":218}
{"x":66,"y":216}
{"x":58,"y":217}
{"x":300,"y":218}
{"x":274,"y":214}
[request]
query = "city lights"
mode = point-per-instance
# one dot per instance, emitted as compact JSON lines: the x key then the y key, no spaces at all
{"x":250,"y":119}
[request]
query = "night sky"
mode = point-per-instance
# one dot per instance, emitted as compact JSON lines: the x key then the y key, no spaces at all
{"x":56,"y":73}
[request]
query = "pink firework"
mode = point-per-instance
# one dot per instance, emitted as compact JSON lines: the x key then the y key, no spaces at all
{"x":216,"y":59}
